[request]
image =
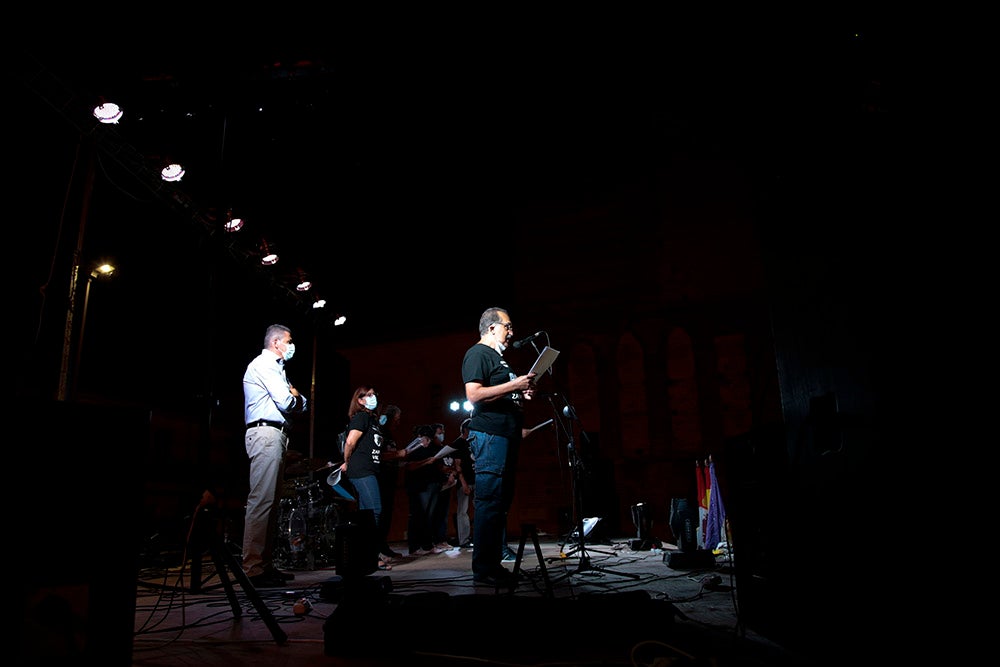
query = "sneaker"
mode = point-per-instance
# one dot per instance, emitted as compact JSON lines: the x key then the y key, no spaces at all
{"x":508,"y":556}
{"x":466,"y":545}
{"x":438,"y":549}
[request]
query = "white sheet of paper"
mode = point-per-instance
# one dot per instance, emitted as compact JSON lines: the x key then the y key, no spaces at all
{"x":544,"y":361}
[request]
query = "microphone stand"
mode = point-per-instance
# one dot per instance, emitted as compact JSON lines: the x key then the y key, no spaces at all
{"x":576,"y":462}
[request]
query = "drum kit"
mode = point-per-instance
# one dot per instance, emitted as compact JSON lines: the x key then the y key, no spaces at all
{"x":309,"y":511}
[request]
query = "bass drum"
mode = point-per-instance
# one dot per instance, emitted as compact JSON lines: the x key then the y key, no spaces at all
{"x":296,"y":531}
{"x":290,"y":548}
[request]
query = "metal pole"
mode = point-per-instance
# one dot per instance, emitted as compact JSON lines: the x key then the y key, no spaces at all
{"x":88,"y":188}
{"x":312,"y":399}
{"x":79,"y":342}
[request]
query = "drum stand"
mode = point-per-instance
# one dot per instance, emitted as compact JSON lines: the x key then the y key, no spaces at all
{"x":203,"y":536}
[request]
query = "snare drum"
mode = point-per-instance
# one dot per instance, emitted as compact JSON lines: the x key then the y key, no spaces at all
{"x":309,"y":494}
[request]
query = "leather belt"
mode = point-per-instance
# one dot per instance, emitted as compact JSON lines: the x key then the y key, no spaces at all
{"x":264,"y":422}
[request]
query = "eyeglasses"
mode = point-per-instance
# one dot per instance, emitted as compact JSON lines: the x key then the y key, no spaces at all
{"x":509,"y":325}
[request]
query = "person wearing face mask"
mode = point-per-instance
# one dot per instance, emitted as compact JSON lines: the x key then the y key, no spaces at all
{"x":363,"y":458}
{"x":269,"y":401}
{"x":388,"y":479}
{"x":496,"y":429}
{"x":448,"y":479}
{"x":422,"y":479}
{"x":466,"y":472}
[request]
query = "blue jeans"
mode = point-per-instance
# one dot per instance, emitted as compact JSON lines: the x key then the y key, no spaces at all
{"x":496,"y":468}
{"x":369,"y":497}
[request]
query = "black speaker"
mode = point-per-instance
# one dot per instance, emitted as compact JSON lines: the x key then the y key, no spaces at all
{"x":355,"y":545}
{"x":684,"y":523}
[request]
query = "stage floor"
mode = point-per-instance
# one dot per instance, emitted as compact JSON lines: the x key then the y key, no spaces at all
{"x":602,"y":604}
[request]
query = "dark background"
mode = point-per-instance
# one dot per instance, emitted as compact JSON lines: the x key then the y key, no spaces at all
{"x":418,"y":180}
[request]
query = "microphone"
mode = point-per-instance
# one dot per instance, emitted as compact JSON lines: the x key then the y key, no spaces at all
{"x":525,"y":341}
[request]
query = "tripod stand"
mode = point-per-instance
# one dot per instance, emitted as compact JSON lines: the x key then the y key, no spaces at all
{"x":576,"y":463}
{"x":206,"y":532}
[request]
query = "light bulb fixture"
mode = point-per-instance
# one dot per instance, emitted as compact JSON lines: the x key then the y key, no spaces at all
{"x":103,"y":270}
{"x":172,"y":173}
{"x":319,"y":303}
{"x":304,"y":283}
{"x":232,"y":224}
{"x":108,"y":113}
{"x":267,"y":255}
{"x":339,"y":321}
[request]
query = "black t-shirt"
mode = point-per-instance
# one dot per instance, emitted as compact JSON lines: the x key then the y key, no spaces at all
{"x":417,"y":478}
{"x":505,"y":415}
{"x":368,"y":451}
{"x":464,"y":455}
{"x":389,"y":445}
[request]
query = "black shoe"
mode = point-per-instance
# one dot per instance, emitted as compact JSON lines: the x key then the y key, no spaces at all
{"x":466,"y":545}
{"x":503,"y":578}
{"x":508,"y":555}
{"x":392,"y":554}
{"x":267,"y":580}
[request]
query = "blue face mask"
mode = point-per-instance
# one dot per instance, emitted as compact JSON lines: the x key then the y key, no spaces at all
{"x":440,"y":437}
{"x":381,"y":420}
{"x":371,"y":402}
{"x":289,"y":351}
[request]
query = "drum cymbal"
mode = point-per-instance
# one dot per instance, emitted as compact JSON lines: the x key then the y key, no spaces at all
{"x":305,"y":466}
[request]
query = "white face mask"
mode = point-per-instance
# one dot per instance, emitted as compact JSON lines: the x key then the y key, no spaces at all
{"x":440,"y":437}
{"x":289,"y":351}
{"x":501,"y":338}
{"x":371,"y":402}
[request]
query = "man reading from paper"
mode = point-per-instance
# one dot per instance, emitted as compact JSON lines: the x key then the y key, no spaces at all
{"x":497,"y":395}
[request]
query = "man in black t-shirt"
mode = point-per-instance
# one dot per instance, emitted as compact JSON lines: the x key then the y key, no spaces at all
{"x":496,"y":429}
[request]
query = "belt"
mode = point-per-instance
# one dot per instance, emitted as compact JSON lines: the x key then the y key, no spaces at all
{"x":264,"y":422}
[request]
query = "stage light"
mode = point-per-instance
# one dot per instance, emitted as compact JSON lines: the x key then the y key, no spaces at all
{"x":304,"y":283}
{"x":319,"y":303}
{"x":108,"y":113}
{"x":267,"y":255}
{"x":172,"y":173}
{"x":232,"y":224}
{"x":339,"y":321}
